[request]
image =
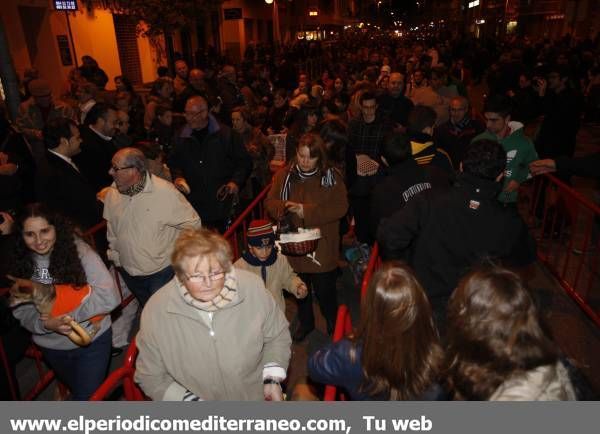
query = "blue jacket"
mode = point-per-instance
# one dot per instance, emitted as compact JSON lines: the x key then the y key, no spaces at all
{"x":332,"y":365}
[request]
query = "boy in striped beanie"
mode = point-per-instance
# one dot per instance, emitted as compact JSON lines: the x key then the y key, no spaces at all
{"x":263,"y":259}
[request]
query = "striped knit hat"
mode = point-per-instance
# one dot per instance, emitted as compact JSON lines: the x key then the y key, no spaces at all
{"x":260,"y":233}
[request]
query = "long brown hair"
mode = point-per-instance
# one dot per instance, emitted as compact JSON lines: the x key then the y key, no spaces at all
{"x":65,"y":265}
{"x":316,"y":148}
{"x":493,"y":333}
{"x":401,"y":355}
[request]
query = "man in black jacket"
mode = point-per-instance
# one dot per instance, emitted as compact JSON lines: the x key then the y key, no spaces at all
{"x":404,"y":180}
{"x":363,"y":161}
{"x":59,"y":182}
{"x":393,"y":104}
{"x":97,"y":145}
{"x":561,"y":107}
{"x":443,"y":235}
{"x":455,"y":135}
{"x":209,"y":164}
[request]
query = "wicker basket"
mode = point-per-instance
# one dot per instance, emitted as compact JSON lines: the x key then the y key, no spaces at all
{"x":299,"y":249}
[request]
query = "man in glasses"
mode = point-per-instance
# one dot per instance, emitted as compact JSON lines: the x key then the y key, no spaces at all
{"x":455,"y":135}
{"x":144,"y":215}
{"x":209,"y":164}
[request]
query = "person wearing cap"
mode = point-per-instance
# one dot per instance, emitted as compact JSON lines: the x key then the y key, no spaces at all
{"x":39,"y":109}
{"x":265,"y":261}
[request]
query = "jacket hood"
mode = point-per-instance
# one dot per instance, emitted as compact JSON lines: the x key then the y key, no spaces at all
{"x":421,"y":141}
{"x":516,"y":128}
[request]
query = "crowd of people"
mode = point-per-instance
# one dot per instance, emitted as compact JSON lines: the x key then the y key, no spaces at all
{"x":380,"y":142}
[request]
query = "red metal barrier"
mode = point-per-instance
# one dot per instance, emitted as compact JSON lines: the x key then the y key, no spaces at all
{"x":563,"y":222}
{"x":343,"y":323}
{"x":343,"y":327}
{"x":372,"y":266}
{"x":46,"y":376}
{"x":14,"y":393}
{"x":88,"y":236}
{"x":236,"y":234}
{"x":124,"y":375}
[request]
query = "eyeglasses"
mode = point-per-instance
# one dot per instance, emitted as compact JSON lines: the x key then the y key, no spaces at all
{"x":206,"y":279}
{"x":194,"y":114}
{"x":116,"y":169}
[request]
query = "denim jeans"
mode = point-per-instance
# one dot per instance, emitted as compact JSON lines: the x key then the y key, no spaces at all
{"x":144,"y":286}
{"x":82,"y":369}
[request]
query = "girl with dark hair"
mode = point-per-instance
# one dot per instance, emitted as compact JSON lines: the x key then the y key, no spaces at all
{"x":395,"y":353}
{"x":313,"y":194}
{"x":307,"y":119}
{"x":47,"y":251}
{"x":279,"y":115}
{"x":161,"y":93}
{"x":339,"y":86}
{"x":334,"y":133}
{"x":128,"y":100}
{"x":163,"y":130}
{"x":497,"y":349}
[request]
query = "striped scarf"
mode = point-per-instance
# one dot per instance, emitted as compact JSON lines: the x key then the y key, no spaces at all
{"x":327,"y":180}
{"x":136,"y":188}
{"x":222,"y":299}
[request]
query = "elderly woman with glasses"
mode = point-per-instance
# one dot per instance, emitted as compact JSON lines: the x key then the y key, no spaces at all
{"x":213,"y":332}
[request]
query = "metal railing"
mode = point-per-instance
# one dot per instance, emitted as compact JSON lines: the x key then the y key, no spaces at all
{"x":343,"y":324}
{"x":236,"y":235}
{"x":565,"y":223}
{"x":125,"y":375}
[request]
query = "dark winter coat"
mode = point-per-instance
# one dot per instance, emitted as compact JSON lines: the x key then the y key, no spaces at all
{"x":443,"y":235}
{"x":206,"y":166}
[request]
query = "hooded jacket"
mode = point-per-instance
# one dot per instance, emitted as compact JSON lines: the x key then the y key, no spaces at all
{"x":544,"y":383}
{"x":403,"y":182}
{"x":519,"y":153}
{"x":425,"y":152}
{"x":443,"y":235}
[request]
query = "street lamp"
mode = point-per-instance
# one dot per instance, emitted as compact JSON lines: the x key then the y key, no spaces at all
{"x":276,"y":31}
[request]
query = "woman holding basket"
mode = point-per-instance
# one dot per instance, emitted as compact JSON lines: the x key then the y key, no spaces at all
{"x":313,"y":195}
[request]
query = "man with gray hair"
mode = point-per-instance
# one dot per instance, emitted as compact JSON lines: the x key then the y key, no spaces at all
{"x":393,"y":104}
{"x":144,"y":216}
{"x":455,"y":135}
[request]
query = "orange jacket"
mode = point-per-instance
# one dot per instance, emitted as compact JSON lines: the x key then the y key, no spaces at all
{"x":69,"y":297}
